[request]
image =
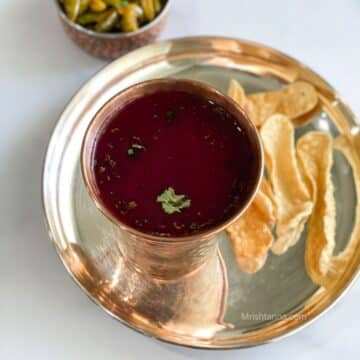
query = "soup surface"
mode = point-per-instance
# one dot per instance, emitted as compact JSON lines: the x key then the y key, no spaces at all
{"x":173,"y":164}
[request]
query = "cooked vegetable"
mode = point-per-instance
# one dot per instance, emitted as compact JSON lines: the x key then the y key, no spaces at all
{"x":89,"y":18}
{"x":107,"y":22}
{"x":149,"y":9}
{"x":157,"y":6}
{"x":112,"y":15}
{"x":84,"y":5}
{"x":117,"y":3}
{"x":98,"y":5}
{"x":72,"y":8}
{"x":130,"y":16}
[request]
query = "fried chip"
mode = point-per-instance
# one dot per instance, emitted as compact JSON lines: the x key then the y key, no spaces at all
{"x":306,"y":118}
{"x":265,"y":201}
{"x":315,"y":156}
{"x":237,"y":93}
{"x":293,"y":201}
{"x":340,"y":262}
{"x":299,"y":101}
{"x":293,"y":100}
{"x":266,"y":188}
{"x":263,"y":105}
{"x":251,"y":235}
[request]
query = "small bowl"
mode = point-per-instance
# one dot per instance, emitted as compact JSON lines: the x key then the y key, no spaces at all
{"x":112,"y":45}
{"x":168,"y":84}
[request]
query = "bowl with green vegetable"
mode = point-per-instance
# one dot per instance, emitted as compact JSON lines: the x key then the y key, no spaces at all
{"x":110,"y":28}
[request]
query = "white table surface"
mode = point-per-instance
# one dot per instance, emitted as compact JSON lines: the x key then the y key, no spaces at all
{"x":44,"y":315}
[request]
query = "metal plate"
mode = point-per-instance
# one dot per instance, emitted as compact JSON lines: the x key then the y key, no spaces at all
{"x":276,"y":301}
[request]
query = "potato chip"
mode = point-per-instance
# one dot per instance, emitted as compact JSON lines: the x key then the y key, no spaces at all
{"x":339,"y":262}
{"x":251,"y":235}
{"x":293,"y":201}
{"x":293,"y":100}
{"x":306,"y":118}
{"x":265,"y":201}
{"x":298,"y":98}
{"x":266,"y":188}
{"x":262,"y":106}
{"x":315,"y":156}
{"x":237,"y":93}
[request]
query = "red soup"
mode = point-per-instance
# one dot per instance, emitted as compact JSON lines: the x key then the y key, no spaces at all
{"x":173,"y":164}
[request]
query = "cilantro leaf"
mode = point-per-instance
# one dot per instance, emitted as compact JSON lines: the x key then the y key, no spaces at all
{"x":171,"y":202}
{"x":170,"y":116}
{"x":133,"y":148}
{"x":137,"y":146}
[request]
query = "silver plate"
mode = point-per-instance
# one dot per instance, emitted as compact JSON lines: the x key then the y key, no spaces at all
{"x":270,"y":304}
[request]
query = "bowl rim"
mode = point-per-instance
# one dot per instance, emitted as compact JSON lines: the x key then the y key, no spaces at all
{"x":205,"y":90}
{"x":118,"y":35}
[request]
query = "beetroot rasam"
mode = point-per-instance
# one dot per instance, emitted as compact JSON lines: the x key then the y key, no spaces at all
{"x":173,"y":164}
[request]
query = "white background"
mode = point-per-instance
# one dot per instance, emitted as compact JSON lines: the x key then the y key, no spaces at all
{"x":43,"y":314}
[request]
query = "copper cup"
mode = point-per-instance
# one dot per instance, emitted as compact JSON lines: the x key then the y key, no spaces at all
{"x":186,"y":267}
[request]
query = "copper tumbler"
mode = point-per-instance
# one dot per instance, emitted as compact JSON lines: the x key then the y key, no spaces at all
{"x":177,"y":282}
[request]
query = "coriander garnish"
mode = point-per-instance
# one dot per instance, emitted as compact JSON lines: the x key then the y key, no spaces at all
{"x":137,"y":146}
{"x":133,"y":148}
{"x":170,"y":116}
{"x":171,"y":202}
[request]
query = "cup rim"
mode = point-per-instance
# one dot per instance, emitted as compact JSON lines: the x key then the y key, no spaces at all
{"x":119,"y":35}
{"x":90,"y":138}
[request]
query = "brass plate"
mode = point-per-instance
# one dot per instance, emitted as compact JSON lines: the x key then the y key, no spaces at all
{"x":271,"y":304}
